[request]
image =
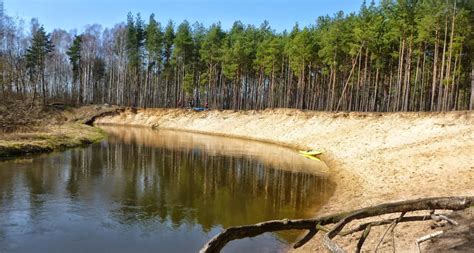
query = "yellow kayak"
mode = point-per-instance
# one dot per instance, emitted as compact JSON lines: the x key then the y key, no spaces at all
{"x":314,"y":158}
{"x":311,"y":152}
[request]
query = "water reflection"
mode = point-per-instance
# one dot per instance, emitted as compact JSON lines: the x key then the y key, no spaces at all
{"x":158,"y":191}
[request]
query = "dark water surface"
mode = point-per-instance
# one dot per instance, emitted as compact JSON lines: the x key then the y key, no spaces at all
{"x":154,"y":191}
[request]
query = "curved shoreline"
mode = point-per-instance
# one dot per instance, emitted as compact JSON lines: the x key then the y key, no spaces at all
{"x":374,"y":157}
{"x":334,"y":173}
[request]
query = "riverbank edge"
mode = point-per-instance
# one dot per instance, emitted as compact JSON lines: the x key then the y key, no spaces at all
{"x":333,"y":171}
{"x":57,"y":138}
{"x":219,"y":123}
{"x":373,"y":157}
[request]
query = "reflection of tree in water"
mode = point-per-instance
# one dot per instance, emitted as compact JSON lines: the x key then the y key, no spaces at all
{"x":38,"y":183}
{"x":140,"y":185}
{"x":189,"y":186}
{"x":7,"y":181}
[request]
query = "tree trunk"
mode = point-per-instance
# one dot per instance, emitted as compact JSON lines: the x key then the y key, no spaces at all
{"x":408,"y":76}
{"x":471,"y":104}
{"x":400,"y":74}
{"x":435,"y":67}
{"x":443,"y":61}
{"x":43,"y":86}
{"x":448,"y":67}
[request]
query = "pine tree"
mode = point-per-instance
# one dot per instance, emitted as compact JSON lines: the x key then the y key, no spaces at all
{"x":404,"y":55}
{"x":41,"y":47}
{"x":168,"y":42}
{"x":154,"y":48}
{"x":154,"y":41}
{"x":212,"y":54}
{"x":75,"y":58}
{"x":182,"y":56}
{"x":135,"y":44}
{"x":167,"y":53}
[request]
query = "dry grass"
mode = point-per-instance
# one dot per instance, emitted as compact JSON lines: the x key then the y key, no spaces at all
{"x":27,"y":127}
{"x":24,"y":115}
{"x":48,"y":139}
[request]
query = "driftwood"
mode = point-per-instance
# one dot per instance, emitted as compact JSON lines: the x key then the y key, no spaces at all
{"x":340,"y":220}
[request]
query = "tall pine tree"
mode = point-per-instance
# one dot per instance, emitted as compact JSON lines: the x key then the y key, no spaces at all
{"x":41,"y":47}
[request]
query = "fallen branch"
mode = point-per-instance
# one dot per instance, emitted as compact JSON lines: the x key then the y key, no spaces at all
{"x":426,"y":238}
{"x":362,"y":239}
{"x":384,"y":222}
{"x":452,"y":203}
{"x":311,"y":234}
{"x":390,"y":228}
{"x":234,"y":233}
{"x":440,"y":217}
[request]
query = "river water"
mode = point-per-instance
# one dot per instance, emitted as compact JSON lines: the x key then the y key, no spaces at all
{"x":142,"y":190}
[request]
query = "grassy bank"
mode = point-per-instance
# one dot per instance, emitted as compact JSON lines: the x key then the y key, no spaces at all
{"x":48,"y":139}
{"x":29,"y":127}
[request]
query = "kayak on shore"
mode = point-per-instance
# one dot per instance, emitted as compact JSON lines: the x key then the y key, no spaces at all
{"x":311,"y":154}
{"x":311,"y":157}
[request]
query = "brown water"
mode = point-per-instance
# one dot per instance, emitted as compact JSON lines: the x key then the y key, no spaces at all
{"x":154,"y":191}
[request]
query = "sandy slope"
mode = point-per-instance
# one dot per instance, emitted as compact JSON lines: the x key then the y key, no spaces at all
{"x":374,"y":157}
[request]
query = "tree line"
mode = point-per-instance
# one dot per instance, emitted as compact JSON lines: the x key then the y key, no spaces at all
{"x":403,"y":55}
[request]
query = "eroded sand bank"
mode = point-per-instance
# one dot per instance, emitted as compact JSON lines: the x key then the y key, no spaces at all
{"x":374,"y":157}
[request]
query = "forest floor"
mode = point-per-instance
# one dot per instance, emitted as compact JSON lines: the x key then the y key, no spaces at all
{"x":29,"y":127}
{"x":373,"y":157}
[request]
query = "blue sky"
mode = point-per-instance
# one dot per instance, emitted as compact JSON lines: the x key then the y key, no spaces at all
{"x":71,"y":14}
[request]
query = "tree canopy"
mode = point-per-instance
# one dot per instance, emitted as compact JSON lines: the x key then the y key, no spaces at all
{"x":403,"y":55}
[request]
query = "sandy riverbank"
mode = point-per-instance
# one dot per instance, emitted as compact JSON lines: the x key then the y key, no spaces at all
{"x":374,"y":157}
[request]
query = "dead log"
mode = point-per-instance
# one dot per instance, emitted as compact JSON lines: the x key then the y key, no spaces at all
{"x":233,"y":233}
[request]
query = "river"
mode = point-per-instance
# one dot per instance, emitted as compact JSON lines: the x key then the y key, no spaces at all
{"x":143,"y":190}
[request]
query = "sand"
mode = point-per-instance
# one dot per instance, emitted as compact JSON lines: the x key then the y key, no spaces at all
{"x":373,"y":157}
